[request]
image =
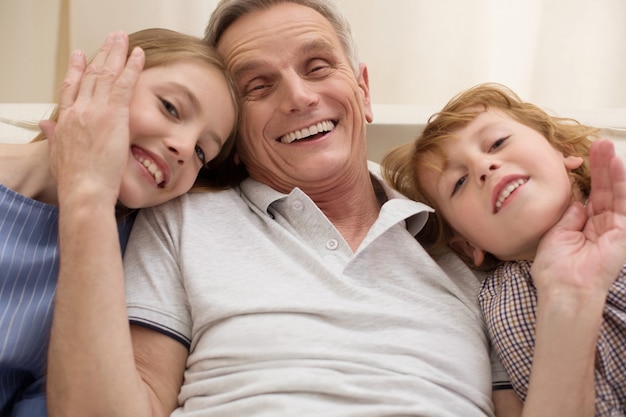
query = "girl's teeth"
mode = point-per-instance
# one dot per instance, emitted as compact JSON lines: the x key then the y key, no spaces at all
{"x":153,"y":169}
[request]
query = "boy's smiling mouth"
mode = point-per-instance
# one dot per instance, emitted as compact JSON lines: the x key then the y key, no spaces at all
{"x":507,"y":191}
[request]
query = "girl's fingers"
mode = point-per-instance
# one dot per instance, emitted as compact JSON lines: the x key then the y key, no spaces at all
{"x":124,"y":87}
{"x":72,"y":81}
{"x":112,"y":67}
{"x":92,"y":71}
{"x":47,"y":127}
{"x":103,"y":70}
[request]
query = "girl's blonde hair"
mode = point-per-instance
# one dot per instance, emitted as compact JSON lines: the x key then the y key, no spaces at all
{"x":402,"y":165}
{"x":164,"y":47}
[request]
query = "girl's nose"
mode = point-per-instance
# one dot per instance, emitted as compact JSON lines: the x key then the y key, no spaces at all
{"x":182,"y":149}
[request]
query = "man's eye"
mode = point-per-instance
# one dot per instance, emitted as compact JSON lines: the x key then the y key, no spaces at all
{"x":200,"y":154}
{"x":256,"y":90}
{"x":458,"y":184}
{"x":169,"y":107}
{"x":257,"y":87}
{"x":255,"y":84}
{"x":319,"y":69}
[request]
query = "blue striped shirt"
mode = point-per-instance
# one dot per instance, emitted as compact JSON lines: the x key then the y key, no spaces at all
{"x":29,"y":264}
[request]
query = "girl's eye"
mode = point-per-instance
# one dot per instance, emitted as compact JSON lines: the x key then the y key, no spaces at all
{"x":200,"y":154}
{"x":169,"y":107}
{"x":458,"y":184}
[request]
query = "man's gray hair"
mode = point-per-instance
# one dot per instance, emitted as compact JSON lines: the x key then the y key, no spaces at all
{"x":227,"y":11}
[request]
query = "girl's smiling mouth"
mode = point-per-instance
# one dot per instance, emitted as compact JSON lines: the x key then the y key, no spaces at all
{"x":151,"y":166}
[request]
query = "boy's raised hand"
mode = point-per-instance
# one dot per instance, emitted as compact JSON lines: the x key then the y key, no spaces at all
{"x":587,"y":248}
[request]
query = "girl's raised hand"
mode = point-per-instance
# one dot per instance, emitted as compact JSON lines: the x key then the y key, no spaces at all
{"x":89,"y":144}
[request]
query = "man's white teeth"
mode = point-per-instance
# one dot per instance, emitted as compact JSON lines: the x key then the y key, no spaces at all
{"x":507,"y":192}
{"x":325,"y":126}
{"x":153,"y":169}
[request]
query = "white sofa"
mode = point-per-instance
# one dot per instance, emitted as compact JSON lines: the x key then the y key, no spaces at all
{"x":393,"y":125}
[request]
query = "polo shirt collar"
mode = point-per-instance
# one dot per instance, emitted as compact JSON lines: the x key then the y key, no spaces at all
{"x":415,"y":213}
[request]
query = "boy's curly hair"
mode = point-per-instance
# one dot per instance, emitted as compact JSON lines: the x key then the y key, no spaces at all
{"x":402,"y":165}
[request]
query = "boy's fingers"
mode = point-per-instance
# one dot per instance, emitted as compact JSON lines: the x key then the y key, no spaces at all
{"x":618,"y":177}
{"x":573,"y":219}
{"x":600,"y":156}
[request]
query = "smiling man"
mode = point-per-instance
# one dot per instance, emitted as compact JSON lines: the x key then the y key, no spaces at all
{"x":303,"y":291}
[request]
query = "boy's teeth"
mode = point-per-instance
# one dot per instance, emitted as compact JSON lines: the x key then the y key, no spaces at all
{"x":507,"y":192}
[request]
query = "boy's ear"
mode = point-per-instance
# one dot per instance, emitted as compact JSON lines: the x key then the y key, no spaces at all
{"x":572,"y":162}
{"x":463,"y":247}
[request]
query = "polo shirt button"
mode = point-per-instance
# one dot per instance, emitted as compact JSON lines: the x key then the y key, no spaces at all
{"x":297,"y":205}
{"x":332,"y":244}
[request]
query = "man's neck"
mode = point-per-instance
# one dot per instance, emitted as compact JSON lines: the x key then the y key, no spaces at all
{"x":353,"y":211}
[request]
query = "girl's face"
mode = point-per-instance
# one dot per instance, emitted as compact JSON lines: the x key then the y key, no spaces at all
{"x":180,"y":117}
{"x":502,"y":187}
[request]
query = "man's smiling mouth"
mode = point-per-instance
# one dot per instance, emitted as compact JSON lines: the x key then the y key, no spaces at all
{"x":308,"y":132}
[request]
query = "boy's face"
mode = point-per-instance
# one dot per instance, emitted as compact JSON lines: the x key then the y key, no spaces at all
{"x":502,"y":187}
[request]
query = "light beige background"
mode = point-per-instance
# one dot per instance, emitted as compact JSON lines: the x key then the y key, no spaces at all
{"x":560,"y":53}
{"x":568,"y":56}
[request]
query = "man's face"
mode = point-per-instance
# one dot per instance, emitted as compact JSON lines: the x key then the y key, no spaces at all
{"x":304,"y":110}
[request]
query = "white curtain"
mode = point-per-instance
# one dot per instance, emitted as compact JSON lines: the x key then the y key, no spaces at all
{"x":561,"y":54}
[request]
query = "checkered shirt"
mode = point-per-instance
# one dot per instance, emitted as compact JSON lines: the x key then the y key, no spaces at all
{"x":508,"y":300}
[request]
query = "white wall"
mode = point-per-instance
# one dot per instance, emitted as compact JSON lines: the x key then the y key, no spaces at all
{"x":566,"y":55}
{"x":556,"y":52}
{"x":28,"y":44}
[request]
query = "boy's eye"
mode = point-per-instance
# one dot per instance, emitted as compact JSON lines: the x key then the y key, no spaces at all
{"x":200,"y":154}
{"x":498,"y":143}
{"x":458,"y":184}
{"x":169,"y":107}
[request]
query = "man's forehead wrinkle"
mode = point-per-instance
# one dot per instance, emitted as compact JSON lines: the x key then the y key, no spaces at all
{"x":239,"y":69}
{"x":317,"y":44}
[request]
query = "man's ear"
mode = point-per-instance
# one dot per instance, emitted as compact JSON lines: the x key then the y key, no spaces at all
{"x":364,"y":85}
{"x":463,"y":247}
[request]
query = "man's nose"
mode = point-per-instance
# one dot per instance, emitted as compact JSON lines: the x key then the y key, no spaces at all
{"x":297,"y":93}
